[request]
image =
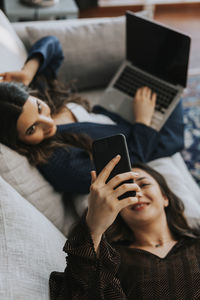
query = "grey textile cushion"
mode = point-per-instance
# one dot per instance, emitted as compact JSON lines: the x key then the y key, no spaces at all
{"x":30,"y":248}
{"x":30,"y":184}
{"x":93,"y":51}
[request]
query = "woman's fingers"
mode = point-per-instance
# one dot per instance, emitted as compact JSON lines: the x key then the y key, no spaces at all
{"x":127,"y":202}
{"x":146,"y":92}
{"x":138,"y":93}
{"x":104,"y":174}
{"x":2,"y":77}
{"x":153,"y":98}
{"x":93,"y":176}
{"x":126,"y":187}
{"x":115,"y":181}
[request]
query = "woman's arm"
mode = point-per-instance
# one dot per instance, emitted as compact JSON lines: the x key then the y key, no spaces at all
{"x":141,"y":138}
{"x":26,"y":74}
{"x":144,"y":142}
{"x":103,"y":202}
{"x":147,"y":142}
{"x":45,"y":57}
{"x":50,"y":51}
{"x":68,"y":170}
{"x":85,"y":277}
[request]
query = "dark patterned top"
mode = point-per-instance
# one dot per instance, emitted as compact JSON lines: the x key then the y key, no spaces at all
{"x":125,"y":273}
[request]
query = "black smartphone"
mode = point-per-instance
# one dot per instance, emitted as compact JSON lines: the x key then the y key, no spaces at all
{"x":106,"y":149}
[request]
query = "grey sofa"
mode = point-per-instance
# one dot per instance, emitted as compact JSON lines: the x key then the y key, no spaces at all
{"x":34,"y":224}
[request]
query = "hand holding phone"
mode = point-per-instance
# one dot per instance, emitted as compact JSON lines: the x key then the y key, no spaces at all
{"x":104,"y":150}
{"x":103,"y":203}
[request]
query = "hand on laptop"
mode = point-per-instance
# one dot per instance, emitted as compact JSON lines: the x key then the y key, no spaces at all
{"x":144,"y":105}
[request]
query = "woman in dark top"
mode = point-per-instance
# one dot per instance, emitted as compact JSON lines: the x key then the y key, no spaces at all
{"x":42,"y":130}
{"x":135,"y":248}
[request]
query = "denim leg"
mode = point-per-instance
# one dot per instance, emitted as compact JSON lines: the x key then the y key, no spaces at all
{"x":177,"y":114}
{"x":171,"y":138}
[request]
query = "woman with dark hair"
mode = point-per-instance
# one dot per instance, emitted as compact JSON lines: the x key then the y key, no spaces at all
{"x":54,"y":128}
{"x":137,"y":248}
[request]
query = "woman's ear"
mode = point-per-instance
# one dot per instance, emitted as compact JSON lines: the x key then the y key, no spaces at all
{"x":166,"y":201}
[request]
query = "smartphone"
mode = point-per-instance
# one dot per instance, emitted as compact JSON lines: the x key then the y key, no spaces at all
{"x":106,"y":149}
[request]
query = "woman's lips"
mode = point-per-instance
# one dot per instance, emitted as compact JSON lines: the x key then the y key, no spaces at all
{"x":139,"y":206}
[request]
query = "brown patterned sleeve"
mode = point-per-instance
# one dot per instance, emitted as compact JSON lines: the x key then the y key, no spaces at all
{"x":87,"y":277}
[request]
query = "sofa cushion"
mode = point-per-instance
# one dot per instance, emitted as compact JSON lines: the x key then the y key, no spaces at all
{"x":180,"y":182}
{"x":28,"y":182}
{"x":92,"y":51}
{"x":12,"y":51}
{"x":31,"y":248}
{"x":86,"y":60}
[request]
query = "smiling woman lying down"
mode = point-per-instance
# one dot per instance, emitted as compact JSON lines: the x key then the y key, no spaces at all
{"x":136,"y":248}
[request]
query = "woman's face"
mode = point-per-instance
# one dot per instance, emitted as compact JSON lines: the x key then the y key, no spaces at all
{"x":35,"y":123}
{"x":151,"y":202}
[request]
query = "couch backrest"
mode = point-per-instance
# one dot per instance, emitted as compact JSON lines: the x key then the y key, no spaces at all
{"x":93,"y":48}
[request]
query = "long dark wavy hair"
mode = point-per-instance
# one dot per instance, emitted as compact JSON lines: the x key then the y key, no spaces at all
{"x":12,"y":98}
{"x":120,"y":232}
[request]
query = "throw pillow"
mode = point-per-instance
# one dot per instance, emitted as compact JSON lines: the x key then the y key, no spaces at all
{"x":30,"y":184}
{"x":86,"y":58}
{"x":180,"y":182}
{"x":12,"y":51}
{"x":31,"y":248}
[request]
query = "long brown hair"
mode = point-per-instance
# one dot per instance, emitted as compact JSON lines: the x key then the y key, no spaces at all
{"x":56,"y":95}
{"x":119,"y":231}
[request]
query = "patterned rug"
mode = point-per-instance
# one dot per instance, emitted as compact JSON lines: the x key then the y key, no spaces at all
{"x":191,"y":104}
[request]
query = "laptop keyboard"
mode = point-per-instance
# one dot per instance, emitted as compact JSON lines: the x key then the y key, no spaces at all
{"x":130,"y":80}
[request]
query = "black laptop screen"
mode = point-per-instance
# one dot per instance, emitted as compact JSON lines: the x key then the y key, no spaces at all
{"x":157,"y":49}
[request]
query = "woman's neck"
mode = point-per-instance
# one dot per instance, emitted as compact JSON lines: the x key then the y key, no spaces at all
{"x":65,"y":116}
{"x":156,"y":234}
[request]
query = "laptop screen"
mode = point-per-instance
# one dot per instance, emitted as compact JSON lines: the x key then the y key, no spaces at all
{"x":157,"y":49}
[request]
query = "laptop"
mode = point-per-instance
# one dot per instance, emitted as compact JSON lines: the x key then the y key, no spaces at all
{"x":157,"y":57}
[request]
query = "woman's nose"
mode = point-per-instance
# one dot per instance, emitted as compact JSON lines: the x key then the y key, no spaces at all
{"x":46,"y":121}
{"x":139,"y":194}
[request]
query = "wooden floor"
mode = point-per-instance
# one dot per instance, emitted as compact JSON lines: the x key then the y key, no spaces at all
{"x":187,"y":20}
{"x":185,"y":17}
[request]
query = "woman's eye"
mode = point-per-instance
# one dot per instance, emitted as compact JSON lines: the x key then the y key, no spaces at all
{"x":144,"y":184}
{"x":39,"y":107}
{"x":31,"y":130}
